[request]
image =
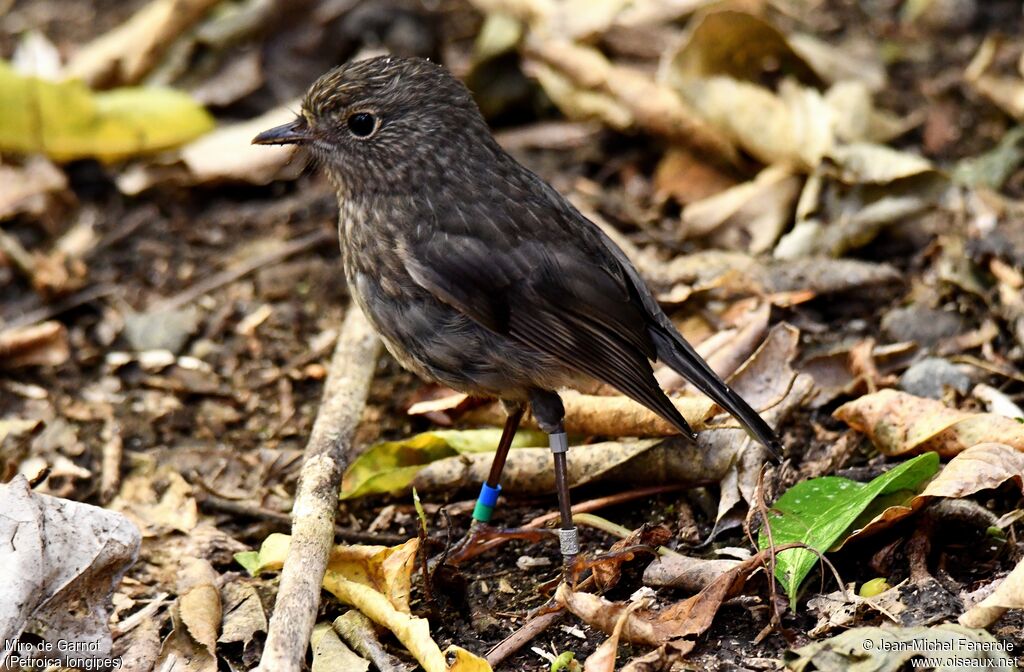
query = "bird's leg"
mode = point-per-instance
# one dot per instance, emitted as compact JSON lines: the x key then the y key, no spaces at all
{"x":549,"y":412}
{"x":491,"y":488}
{"x":479,"y":529}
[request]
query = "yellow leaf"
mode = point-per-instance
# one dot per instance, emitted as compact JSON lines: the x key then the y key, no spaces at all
{"x":388,"y":570}
{"x":466,"y":661}
{"x":66,"y":120}
{"x":412,"y":632}
{"x":376,"y":581}
{"x":330,"y":654}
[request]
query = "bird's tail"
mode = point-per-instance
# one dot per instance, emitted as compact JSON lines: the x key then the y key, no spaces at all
{"x":684,"y":360}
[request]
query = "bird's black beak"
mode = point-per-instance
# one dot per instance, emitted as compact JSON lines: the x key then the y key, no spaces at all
{"x":292,"y":133}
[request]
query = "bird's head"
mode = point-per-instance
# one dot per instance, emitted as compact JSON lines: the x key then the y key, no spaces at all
{"x":381,"y":122}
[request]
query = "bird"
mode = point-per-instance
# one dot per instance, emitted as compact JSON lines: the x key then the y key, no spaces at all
{"x":476,"y":273}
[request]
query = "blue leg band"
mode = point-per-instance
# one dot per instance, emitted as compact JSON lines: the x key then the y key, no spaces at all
{"x":485,"y":503}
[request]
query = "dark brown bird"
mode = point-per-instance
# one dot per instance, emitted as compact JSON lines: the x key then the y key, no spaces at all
{"x":475,"y":272}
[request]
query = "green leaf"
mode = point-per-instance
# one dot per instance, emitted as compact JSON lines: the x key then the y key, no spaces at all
{"x":270,"y":556}
{"x":823,"y":511}
{"x":874,"y":587}
{"x":250,"y":560}
{"x":390,"y":466}
{"x":565,"y":661}
{"x":66,"y":120}
{"x":419,"y":511}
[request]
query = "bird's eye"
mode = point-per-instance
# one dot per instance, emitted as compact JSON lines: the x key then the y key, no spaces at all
{"x":362,"y":124}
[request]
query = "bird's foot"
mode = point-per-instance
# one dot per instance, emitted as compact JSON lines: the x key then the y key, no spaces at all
{"x":482,"y":536}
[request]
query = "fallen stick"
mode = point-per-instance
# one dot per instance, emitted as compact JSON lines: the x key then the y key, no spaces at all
{"x":328,"y":452}
{"x":215,"y":503}
{"x":240,"y":270}
{"x":523,"y":635}
{"x":611,"y":416}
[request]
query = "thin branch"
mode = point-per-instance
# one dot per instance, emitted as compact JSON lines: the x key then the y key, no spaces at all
{"x":229,"y":275}
{"x":328,"y":452}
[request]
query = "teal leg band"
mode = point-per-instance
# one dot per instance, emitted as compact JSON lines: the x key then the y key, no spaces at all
{"x":485,"y":503}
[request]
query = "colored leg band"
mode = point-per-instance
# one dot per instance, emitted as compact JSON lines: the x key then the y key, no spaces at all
{"x":485,"y":502}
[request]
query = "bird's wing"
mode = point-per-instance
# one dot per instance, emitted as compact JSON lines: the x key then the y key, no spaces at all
{"x":558,"y":291}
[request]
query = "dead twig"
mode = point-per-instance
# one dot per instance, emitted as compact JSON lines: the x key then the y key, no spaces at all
{"x":328,"y":452}
{"x":211,"y":502}
{"x":110,"y":463}
{"x":229,"y":275}
{"x":522,"y":636}
{"x":52,"y":310}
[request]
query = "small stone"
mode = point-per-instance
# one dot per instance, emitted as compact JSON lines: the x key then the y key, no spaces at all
{"x":117,"y":359}
{"x":930,"y":377}
{"x":525,"y":562}
{"x":155,"y":361}
{"x":161,"y":330}
{"x":217,"y":416}
{"x":922,"y":325}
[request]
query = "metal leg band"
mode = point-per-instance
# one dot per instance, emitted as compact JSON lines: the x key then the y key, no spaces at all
{"x":569,"y":541}
{"x":559,"y":442}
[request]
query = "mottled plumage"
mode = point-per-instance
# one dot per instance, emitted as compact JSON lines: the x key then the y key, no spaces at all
{"x":476,"y":273}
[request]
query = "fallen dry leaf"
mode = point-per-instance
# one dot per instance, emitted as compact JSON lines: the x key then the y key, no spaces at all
{"x":59,"y":553}
{"x":833,"y":373}
{"x":125,"y":54}
{"x":174,"y":509}
{"x":867,"y":163}
{"x":791,"y":127}
{"x":603,"y":659}
{"x":200,"y":601}
{"x":376,"y":581}
{"x":223,"y":155}
{"x":30,"y":188}
{"x":387,"y":570}
{"x":1006,"y":92}
{"x":676,"y":623}
{"x":736,"y":44}
{"x":244,"y":615}
{"x":330,"y":654}
{"x":980,"y":467}
{"x":842,"y":608}
{"x":44,"y":344}
{"x":682,"y":174}
{"x":196,"y":617}
{"x":749,"y":216}
{"x":898,"y":423}
{"x":627,"y":96}
{"x":685,"y":572}
{"x":1009,"y":594}
{"x":607,"y":570}
{"x":16,"y":427}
